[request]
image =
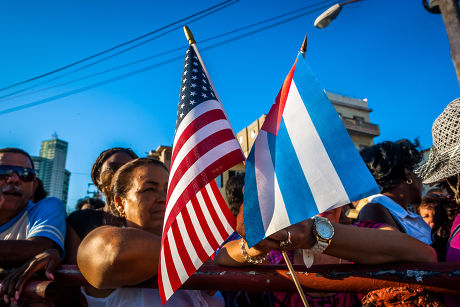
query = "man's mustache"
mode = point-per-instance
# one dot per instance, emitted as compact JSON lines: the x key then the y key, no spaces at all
{"x":11,"y":189}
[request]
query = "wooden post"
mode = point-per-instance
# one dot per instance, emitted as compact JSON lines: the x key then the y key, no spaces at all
{"x":450,"y":14}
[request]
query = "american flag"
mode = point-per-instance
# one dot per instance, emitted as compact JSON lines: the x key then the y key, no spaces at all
{"x":197,"y":219}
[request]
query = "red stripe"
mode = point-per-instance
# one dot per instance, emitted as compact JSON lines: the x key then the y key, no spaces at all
{"x":204,"y":225}
{"x":195,"y":154}
{"x":223,"y":206}
{"x":212,"y":171}
{"x":193,"y":236}
{"x":212,"y":211}
{"x":198,"y":123}
{"x":172,"y":273}
{"x":160,"y":280}
{"x":273,"y":119}
{"x":182,"y":251}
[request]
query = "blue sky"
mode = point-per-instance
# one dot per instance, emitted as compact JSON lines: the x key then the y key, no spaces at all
{"x":392,"y":52}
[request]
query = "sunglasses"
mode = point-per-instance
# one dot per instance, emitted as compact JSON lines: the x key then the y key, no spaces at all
{"x":24,"y":173}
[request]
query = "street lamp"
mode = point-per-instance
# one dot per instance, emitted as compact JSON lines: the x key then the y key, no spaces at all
{"x":330,"y":14}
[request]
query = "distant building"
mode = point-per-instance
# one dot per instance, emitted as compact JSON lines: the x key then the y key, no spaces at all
{"x":162,"y":153}
{"x":50,"y":167}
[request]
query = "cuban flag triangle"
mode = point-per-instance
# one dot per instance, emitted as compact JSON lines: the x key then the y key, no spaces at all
{"x":303,"y":161}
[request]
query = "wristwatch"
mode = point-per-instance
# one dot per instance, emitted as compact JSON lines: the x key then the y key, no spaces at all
{"x":323,"y":231}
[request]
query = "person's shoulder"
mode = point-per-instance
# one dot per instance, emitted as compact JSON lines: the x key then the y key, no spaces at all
{"x":51,"y":205}
{"x":371,"y":211}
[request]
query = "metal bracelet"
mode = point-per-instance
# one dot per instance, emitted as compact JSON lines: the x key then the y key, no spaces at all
{"x":249,"y":259}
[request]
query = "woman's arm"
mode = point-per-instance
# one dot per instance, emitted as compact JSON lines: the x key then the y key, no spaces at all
{"x":379,"y":214}
{"x":230,"y":254}
{"x":110,"y":257}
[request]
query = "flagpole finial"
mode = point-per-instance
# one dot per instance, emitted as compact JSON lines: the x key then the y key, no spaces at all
{"x":303,"y":48}
{"x":189,"y":35}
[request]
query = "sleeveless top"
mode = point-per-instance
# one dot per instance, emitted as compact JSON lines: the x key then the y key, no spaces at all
{"x":413,"y":224}
{"x":143,"y":297}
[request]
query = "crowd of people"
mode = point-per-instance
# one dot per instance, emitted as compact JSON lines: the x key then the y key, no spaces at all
{"x":116,"y":243}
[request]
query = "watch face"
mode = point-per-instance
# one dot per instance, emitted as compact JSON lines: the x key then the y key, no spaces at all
{"x":324,"y":230}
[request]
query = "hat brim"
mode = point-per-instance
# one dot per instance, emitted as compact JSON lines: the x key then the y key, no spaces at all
{"x":442,"y":171}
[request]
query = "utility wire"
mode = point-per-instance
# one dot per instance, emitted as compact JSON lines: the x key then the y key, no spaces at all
{"x":16,"y":93}
{"x":76,"y":91}
{"x":164,"y":53}
{"x":115,"y":47}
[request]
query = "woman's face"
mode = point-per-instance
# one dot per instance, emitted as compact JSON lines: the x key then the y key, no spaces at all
{"x":145,"y":202}
{"x":428,"y":214}
{"x":111,"y":165}
{"x":417,"y":188}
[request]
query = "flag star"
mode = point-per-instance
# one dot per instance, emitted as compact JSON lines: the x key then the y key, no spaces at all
{"x":184,"y":88}
{"x":195,"y":57}
{"x":185,"y":72}
{"x":195,"y":63}
{"x":195,"y":70}
{"x":188,"y":50}
{"x":192,"y":102}
{"x":186,"y":64}
{"x":192,"y":93}
{"x":183,"y":96}
{"x":193,"y":85}
{"x":204,"y":95}
{"x":185,"y":79}
{"x":203,"y":74}
{"x":204,"y":81}
{"x":194,"y":77}
{"x":204,"y":87}
{"x":186,"y":58}
{"x":182,"y":105}
{"x":181,"y":115}
{"x":212,"y":94}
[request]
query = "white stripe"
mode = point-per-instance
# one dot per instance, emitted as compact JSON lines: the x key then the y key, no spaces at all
{"x":209,"y":220}
{"x":197,"y":168}
{"x":165,"y":276}
{"x":272,"y":209}
{"x":280,"y":218}
{"x":200,"y":109}
{"x":46,"y":230}
{"x":324,"y":182}
{"x":187,"y":242}
{"x":196,"y":138}
{"x":229,"y":229}
{"x":199,"y":232}
{"x":50,"y":228}
{"x":176,"y":258}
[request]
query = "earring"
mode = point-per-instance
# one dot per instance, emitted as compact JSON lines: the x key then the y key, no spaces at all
{"x":409,"y":181}
{"x":121,"y":211}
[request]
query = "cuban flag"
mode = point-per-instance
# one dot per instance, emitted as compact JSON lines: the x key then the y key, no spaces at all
{"x":303,"y":161}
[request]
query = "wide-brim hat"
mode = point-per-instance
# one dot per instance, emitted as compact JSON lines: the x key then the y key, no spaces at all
{"x":444,"y":159}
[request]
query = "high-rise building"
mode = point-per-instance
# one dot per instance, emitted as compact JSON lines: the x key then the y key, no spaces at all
{"x":50,"y":168}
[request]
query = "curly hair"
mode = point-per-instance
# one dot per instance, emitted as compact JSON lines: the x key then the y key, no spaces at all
{"x":387,"y":161}
{"x":104,"y":156}
{"x":122,"y":180}
{"x":94,"y":203}
{"x":234,"y":193}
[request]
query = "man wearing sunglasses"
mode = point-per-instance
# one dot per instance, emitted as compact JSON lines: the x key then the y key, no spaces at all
{"x":26,"y":228}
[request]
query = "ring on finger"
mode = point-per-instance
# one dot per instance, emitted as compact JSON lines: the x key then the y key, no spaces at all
{"x":286,"y":242}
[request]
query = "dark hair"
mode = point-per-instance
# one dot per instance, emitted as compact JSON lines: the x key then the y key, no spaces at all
{"x":94,"y":203}
{"x":40,"y":192}
{"x":104,"y":156}
{"x":122,"y":180}
{"x":387,"y":161}
{"x":234,"y":192}
{"x":18,"y":151}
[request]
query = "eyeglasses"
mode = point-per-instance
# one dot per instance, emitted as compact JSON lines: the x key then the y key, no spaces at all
{"x":25,"y":174}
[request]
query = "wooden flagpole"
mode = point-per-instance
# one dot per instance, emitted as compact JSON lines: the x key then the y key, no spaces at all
{"x":303,"y":50}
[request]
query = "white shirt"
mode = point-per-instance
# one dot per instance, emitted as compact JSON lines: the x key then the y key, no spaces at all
{"x":413,"y":224}
{"x":143,"y":297}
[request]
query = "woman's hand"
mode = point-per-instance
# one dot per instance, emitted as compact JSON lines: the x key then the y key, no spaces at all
{"x":11,"y":287}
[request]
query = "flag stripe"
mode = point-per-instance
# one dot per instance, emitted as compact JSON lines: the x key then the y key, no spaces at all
{"x":202,"y":121}
{"x":181,"y":195}
{"x":191,"y":242}
{"x":324,"y":182}
{"x":164,"y":285}
{"x":199,"y":231}
{"x":193,"y":156}
{"x":227,"y":218}
{"x":184,"y":264}
{"x":334,"y":135}
{"x":208,"y":209}
{"x":203,"y":224}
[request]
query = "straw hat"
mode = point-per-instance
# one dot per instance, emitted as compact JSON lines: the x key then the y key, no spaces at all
{"x":444,"y":160}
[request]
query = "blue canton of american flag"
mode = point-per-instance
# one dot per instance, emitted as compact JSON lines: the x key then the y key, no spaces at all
{"x":197,"y":219}
{"x":195,"y":86}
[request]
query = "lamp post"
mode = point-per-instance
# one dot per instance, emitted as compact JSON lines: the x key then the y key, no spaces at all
{"x":330,"y":14}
